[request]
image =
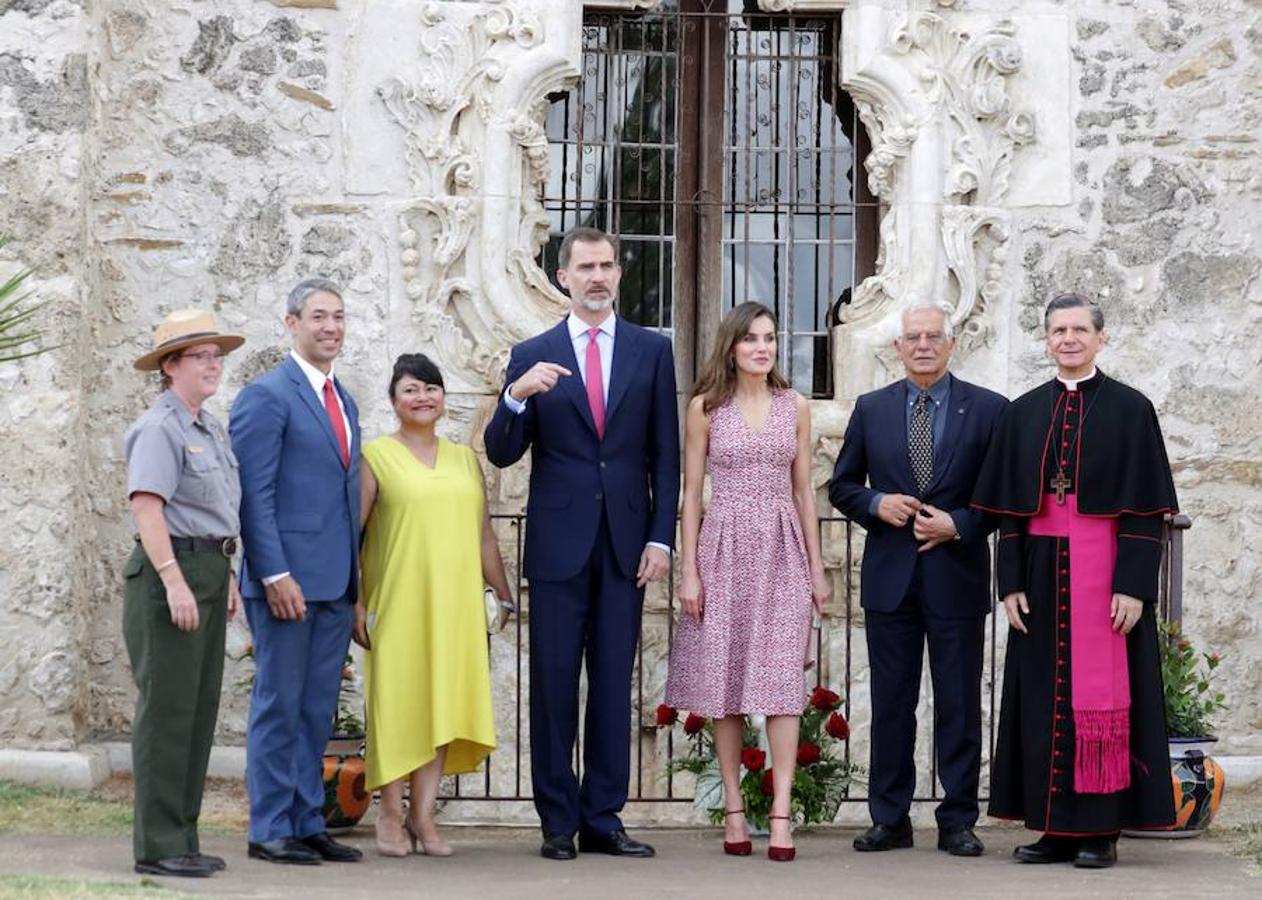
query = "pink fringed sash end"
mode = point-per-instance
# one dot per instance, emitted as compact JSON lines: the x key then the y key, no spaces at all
{"x":1102,"y":757}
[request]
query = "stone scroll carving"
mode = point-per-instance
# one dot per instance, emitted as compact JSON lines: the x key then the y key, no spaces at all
{"x":472,"y":107}
{"x":934,"y":99}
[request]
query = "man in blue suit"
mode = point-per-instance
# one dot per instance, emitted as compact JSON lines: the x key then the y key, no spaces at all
{"x":295,"y":431}
{"x":594,"y":400}
{"x":906,"y":471}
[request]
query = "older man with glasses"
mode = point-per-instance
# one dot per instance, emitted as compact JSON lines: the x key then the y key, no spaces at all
{"x":906,"y":472}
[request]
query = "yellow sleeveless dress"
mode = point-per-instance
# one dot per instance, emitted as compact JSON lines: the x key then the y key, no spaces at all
{"x":427,"y":677}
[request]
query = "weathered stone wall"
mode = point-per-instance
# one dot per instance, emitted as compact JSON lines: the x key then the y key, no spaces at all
{"x":1164,"y":227}
{"x":48,"y":606}
{"x":154,"y":156}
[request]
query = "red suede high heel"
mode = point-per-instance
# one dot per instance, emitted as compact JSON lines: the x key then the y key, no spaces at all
{"x":737,"y":848}
{"x":780,"y":854}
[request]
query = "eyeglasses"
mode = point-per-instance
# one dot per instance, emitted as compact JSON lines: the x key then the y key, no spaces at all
{"x":205,"y":356}
{"x":933,"y":337}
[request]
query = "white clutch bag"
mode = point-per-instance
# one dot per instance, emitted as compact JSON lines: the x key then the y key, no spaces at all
{"x":497,"y":611}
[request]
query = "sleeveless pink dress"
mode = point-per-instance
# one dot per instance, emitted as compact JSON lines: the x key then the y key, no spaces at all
{"x":746,"y":655}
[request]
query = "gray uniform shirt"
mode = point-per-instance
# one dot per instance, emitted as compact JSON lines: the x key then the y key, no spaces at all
{"x":188,"y":463}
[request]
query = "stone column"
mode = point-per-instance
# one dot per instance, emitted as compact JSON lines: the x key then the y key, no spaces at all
{"x":46,"y":55}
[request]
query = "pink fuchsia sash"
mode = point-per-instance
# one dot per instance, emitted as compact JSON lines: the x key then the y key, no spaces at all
{"x":1099,"y":680}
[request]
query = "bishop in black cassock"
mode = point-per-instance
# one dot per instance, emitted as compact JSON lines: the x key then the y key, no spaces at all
{"x":1079,"y":476}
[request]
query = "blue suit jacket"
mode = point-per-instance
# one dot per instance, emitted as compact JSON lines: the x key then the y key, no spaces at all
{"x":874,"y":459}
{"x":299,"y":505}
{"x":632,"y":475}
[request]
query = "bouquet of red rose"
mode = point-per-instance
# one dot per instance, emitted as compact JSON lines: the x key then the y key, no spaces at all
{"x":820,"y":781}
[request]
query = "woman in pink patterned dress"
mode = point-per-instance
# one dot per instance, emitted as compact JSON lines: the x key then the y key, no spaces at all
{"x":752,"y":568}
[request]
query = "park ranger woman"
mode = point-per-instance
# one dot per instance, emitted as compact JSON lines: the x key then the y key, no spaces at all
{"x":183,"y":492}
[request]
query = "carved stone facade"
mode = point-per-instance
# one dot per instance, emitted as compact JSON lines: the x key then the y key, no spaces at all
{"x":152,"y":158}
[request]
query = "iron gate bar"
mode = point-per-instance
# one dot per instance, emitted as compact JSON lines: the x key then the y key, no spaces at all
{"x":1170,"y":589}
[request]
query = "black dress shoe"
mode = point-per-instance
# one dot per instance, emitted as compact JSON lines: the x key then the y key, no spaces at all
{"x":960,"y":842}
{"x":186,"y":866}
{"x":885,"y":837}
{"x":1047,"y":849}
{"x":284,"y":850}
{"x":1096,"y":853}
{"x":330,"y":849}
{"x":615,"y":843}
{"x":557,"y":846}
{"x":216,"y":863}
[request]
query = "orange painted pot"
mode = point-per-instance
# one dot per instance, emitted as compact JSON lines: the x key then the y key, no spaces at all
{"x":1198,"y":781}
{"x":345,"y":798}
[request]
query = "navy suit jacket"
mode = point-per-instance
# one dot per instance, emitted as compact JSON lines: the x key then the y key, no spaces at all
{"x":632,"y":475}
{"x":299,"y":504}
{"x":956,"y":575}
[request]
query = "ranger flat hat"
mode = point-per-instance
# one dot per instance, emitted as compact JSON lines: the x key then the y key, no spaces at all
{"x":185,"y":328}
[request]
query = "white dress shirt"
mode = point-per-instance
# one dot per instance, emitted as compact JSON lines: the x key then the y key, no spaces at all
{"x":579,"y":339}
{"x":316,"y":379}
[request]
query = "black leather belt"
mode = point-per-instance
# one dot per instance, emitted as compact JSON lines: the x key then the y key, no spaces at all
{"x":227,"y":546}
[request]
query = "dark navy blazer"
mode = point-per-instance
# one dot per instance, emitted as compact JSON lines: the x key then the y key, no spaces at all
{"x":299,"y":504}
{"x":956,"y":575}
{"x":632,"y":475}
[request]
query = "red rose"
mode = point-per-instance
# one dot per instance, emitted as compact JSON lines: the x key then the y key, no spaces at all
{"x":666,"y":715}
{"x":693,"y":723}
{"x":808,"y":753}
{"x":824,"y":699}
{"x":837,"y":726}
{"x":753,"y":759}
{"x":768,"y":784}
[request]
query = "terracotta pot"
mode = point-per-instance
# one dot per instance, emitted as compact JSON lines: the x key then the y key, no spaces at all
{"x":345,"y":799}
{"x":1198,"y":784}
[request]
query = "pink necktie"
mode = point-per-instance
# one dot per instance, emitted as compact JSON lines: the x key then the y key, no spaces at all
{"x":595,"y":382}
{"x":335,"y":419}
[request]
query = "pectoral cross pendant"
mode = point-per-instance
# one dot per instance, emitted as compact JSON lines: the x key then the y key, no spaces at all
{"x":1060,"y":483}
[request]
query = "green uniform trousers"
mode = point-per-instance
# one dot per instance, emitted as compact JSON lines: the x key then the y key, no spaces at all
{"x":178,"y":674}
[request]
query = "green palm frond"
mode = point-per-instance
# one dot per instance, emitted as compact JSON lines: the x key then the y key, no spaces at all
{"x":17,"y":332}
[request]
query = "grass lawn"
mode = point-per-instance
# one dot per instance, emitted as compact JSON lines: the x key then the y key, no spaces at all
{"x":39,"y":887}
{"x":106,"y":810}
{"x":1247,"y":842}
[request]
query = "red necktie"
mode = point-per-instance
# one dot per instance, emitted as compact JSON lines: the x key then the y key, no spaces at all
{"x":335,"y":419}
{"x":595,"y":382}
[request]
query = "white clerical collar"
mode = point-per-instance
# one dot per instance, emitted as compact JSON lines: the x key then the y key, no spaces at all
{"x":1071,"y":384}
{"x":314,"y":375}
{"x":578,"y":327}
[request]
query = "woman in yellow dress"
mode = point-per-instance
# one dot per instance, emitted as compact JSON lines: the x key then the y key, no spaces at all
{"x":428,"y":546}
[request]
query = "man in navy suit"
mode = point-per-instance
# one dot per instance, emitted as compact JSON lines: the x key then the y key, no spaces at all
{"x":906,"y":471}
{"x":594,"y":400}
{"x":295,"y":431}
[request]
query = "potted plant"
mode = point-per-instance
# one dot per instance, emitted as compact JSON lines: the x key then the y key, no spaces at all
{"x":345,"y":798}
{"x":819,"y":783}
{"x":1191,"y":703}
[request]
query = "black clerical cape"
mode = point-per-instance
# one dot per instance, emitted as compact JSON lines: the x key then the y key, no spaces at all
{"x":1098,"y":449}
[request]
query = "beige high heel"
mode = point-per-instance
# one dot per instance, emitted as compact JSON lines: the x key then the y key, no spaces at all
{"x":392,"y":835}
{"x":433,"y":848}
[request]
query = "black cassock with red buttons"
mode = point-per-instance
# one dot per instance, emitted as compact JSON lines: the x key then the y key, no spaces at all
{"x":1100,"y":442}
